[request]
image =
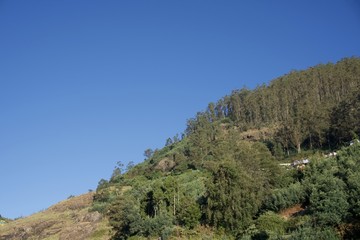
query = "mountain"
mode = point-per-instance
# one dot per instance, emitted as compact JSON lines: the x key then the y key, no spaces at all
{"x":224,"y":177}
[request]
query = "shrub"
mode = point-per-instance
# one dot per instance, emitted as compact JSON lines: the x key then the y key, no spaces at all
{"x":309,"y":233}
{"x":285,"y":197}
{"x":271,"y":223}
{"x":189,"y":214}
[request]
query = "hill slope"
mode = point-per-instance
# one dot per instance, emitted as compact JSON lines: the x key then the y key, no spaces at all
{"x":222,"y":177}
{"x":69,"y":219}
{"x":224,"y":173}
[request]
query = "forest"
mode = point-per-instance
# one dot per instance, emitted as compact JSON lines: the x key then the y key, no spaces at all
{"x":222,"y":178}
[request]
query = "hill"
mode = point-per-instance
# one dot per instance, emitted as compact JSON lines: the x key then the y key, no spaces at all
{"x":69,"y":219}
{"x":222,"y":178}
{"x":223,"y":173}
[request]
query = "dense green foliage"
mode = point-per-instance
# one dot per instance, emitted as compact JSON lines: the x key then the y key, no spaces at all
{"x":299,"y":106}
{"x":223,"y":173}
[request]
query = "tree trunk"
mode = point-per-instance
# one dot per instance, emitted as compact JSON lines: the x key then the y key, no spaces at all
{"x":174,"y":205}
{"x":298,"y":145}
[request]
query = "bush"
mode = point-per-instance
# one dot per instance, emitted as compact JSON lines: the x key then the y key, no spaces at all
{"x":100,"y":207}
{"x":157,"y":226}
{"x":189,"y":214}
{"x":328,"y":200}
{"x":285,"y":197}
{"x":309,"y":233}
{"x":271,"y":223}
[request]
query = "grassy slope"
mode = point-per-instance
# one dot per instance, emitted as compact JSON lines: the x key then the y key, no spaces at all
{"x":69,"y":219}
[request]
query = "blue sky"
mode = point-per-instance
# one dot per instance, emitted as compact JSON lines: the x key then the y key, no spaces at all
{"x":84,"y":84}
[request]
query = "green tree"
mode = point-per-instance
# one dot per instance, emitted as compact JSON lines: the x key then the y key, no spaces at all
{"x":328,"y":201}
{"x":327,"y":195}
{"x":285,"y":197}
{"x":169,"y":142}
{"x":310,"y":233}
{"x":232,"y":198}
{"x":271,"y":223}
{"x":148,"y":153}
{"x":348,"y":161}
{"x":124,"y":217}
{"x":189,"y":213}
{"x":345,"y":120}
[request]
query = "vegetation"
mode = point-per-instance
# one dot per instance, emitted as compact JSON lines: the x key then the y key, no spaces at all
{"x":69,"y":219}
{"x":4,"y":220}
{"x":223,"y":174}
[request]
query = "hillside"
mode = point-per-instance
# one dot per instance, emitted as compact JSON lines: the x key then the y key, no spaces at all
{"x":222,"y":178}
{"x":69,"y":219}
{"x":223,"y":174}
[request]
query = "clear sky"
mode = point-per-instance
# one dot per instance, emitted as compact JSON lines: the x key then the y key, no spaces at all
{"x":84,"y":84}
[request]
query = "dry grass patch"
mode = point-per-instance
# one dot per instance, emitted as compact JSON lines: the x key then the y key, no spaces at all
{"x":69,"y":219}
